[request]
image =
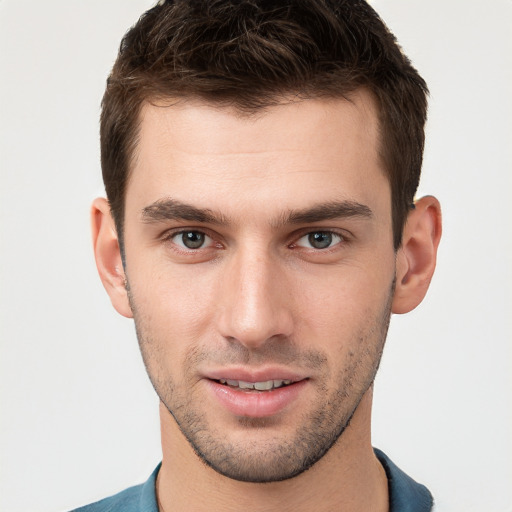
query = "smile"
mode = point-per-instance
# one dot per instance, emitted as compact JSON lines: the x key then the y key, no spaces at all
{"x":266,"y":385}
{"x":256,"y":398}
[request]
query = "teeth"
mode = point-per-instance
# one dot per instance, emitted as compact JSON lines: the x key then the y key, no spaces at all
{"x":259,"y":386}
{"x":264,"y":386}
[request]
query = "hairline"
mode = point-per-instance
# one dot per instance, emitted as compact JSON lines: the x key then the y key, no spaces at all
{"x":233,"y":106}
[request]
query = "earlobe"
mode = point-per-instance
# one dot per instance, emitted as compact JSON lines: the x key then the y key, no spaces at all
{"x":416,"y":258}
{"x":108,"y":256}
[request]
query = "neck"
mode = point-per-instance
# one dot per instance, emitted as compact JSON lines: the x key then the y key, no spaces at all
{"x":349,"y":477}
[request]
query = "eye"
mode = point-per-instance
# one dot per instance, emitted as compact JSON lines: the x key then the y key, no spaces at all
{"x":319,"y":240}
{"x":191,"y":239}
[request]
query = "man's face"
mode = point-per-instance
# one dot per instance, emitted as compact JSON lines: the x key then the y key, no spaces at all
{"x":260,"y":267}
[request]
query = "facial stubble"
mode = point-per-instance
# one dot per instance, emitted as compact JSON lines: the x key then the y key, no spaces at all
{"x":271,"y":459}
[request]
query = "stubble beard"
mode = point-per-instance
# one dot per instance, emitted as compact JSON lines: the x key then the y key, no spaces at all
{"x":272,"y":460}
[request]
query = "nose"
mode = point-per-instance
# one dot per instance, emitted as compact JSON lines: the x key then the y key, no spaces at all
{"x":256,"y":303}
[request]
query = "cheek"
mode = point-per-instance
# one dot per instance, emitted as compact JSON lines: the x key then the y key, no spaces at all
{"x":341,"y":308}
{"x":174,"y":303}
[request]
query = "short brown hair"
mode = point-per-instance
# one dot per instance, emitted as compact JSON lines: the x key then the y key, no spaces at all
{"x":249,"y":54}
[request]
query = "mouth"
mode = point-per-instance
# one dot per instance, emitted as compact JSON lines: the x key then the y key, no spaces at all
{"x":256,"y":397}
{"x":266,"y":385}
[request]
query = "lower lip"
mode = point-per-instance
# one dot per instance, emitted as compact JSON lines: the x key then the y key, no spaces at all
{"x":256,"y":404}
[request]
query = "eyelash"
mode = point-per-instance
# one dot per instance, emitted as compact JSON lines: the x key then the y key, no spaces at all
{"x":168,"y":237}
{"x":344,"y":239}
{"x":332,"y":234}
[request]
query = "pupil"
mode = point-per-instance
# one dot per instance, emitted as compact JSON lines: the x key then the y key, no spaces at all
{"x":193,"y":239}
{"x":320,"y":239}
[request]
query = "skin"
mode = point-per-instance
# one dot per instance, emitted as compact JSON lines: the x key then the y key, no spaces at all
{"x":261,"y":297}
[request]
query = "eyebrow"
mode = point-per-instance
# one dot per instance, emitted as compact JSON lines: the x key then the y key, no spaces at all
{"x":172,"y":209}
{"x":328,"y":211}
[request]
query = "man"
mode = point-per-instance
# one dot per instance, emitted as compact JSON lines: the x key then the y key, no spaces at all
{"x":260,"y":160}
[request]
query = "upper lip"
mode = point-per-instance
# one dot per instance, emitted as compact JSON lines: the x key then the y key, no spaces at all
{"x":254,"y":375}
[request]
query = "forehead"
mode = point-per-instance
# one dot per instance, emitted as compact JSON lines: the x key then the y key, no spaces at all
{"x":288,"y":154}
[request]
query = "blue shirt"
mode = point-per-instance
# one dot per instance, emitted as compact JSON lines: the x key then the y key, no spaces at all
{"x":405,"y":494}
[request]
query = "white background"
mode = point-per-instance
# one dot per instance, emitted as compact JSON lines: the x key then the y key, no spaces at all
{"x":78,"y":415}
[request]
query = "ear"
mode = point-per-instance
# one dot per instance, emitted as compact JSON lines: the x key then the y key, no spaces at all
{"x":108,"y":256}
{"x":416,"y":258}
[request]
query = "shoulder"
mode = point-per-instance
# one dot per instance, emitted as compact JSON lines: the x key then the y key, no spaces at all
{"x":405,"y":494}
{"x":139,"y":498}
{"x":126,"y":500}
